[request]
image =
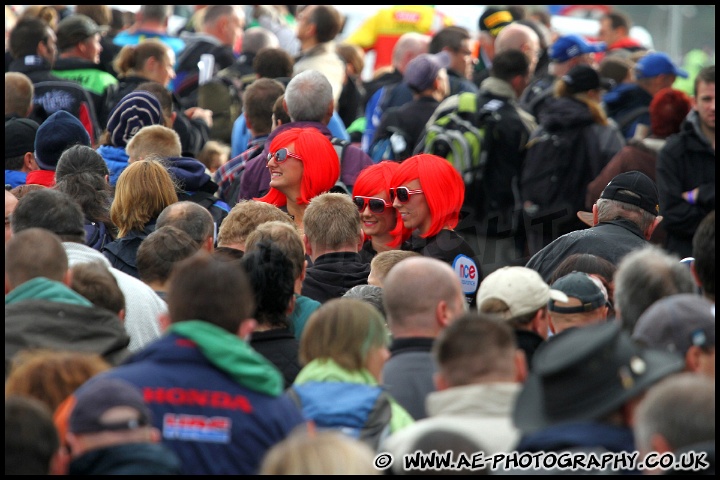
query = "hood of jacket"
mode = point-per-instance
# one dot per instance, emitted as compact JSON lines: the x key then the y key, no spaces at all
{"x":189,"y":172}
{"x":42,"y":288}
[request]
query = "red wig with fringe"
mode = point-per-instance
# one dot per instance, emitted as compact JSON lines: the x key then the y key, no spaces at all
{"x":321,"y":167}
{"x":377,"y":178}
{"x":443,"y":187}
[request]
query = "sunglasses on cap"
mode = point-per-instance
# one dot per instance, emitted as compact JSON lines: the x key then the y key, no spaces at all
{"x":282,"y":155}
{"x":377,"y":205}
{"x":402,"y":194}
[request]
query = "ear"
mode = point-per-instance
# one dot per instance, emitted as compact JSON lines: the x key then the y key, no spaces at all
{"x":308,"y":248}
{"x":155,"y":435}
{"x":29,"y":162}
{"x":164,"y":321}
{"x":60,"y":461}
{"x":521,"y":365}
{"x":441,"y":383}
{"x":693,"y":271}
{"x":121,"y":315}
{"x":442,"y":314}
{"x":595,"y":215}
{"x":209,"y":245}
{"x":692,"y":358}
{"x":246,"y":328}
{"x":652,"y":227}
{"x":172,"y":118}
{"x":659,"y":444}
{"x":67,"y":278}
{"x":291,"y":305}
{"x":8,"y":285}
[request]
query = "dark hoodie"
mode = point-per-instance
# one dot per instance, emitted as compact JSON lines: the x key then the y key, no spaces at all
{"x":197,"y":186}
{"x":333,"y":274}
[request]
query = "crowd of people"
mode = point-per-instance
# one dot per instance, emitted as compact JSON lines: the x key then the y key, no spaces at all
{"x":227,"y":253}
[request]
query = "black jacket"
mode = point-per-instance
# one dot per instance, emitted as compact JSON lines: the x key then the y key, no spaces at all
{"x":686,"y":161}
{"x":280,"y":347}
{"x":333,"y":274}
{"x":609,"y":240}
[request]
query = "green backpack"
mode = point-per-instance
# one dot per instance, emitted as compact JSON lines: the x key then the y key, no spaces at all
{"x":460,"y":135}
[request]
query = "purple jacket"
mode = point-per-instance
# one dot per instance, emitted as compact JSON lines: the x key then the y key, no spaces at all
{"x":256,"y":179}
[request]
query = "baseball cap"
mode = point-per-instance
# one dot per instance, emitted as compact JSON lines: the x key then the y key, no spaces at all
{"x":521,"y":288}
{"x":59,"y":132}
{"x":493,"y":20}
{"x":657,"y":63}
{"x":646,"y":193}
{"x":422,"y":70}
{"x":582,"y":78}
{"x":582,"y":286}
{"x":677,"y":322}
{"x":22,"y":131}
{"x":571,"y":46}
{"x":76,"y":28}
{"x":94,"y":399}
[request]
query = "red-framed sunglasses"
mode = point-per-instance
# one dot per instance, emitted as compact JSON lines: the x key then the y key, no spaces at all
{"x":282,"y":155}
{"x":402,"y":194}
{"x":377,"y":205}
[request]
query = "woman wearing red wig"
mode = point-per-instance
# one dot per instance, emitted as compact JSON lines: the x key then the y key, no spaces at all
{"x":381,"y":223}
{"x":428,"y":193}
{"x":303,"y":164}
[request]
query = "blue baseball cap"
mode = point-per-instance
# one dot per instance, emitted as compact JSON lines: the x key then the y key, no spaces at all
{"x":657,"y":63}
{"x":571,"y":46}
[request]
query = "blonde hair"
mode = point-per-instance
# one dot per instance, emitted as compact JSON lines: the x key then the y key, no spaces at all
{"x":244,"y":218}
{"x":154,"y":140}
{"x":344,"y":330}
{"x":142,"y":191}
{"x":332,"y":221}
{"x":325,"y":452}
{"x":381,"y":263}
{"x":51,"y":375}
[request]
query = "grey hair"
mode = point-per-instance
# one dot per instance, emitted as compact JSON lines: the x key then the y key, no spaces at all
{"x":645,"y":276}
{"x":609,"y":210}
{"x":368,"y":293}
{"x":308,"y":96}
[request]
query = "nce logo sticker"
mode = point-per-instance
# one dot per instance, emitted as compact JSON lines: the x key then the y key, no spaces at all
{"x":467,"y":272}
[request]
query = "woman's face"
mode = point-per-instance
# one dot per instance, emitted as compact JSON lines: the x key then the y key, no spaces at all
{"x":163,"y":71}
{"x":415,"y":213}
{"x":374,"y":224}
{"x":286,"y":176}
{"x":376,"y":359}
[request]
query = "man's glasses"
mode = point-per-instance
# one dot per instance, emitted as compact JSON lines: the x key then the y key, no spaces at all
{"x":402,"y":194}
{"x":377,"y":205}
{"x":282,"y":155}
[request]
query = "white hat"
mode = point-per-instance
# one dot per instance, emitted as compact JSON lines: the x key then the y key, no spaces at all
{"x":521,"y":288}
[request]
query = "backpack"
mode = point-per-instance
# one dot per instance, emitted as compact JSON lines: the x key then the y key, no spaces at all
{"x":461,"y":135}
{"x":340,"y":148}
{"x":551,"y":181}
{"x":629,"y":118}
{"x":393,"y":147}
{"x":223,"y":96}
{"x":53,"y":95}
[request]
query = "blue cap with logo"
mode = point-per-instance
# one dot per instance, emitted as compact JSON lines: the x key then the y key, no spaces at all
{"x":571,"y":46}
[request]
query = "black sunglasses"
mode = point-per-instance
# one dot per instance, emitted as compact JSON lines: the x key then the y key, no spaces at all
{"x":377,"y":205}
{"x":282,"y":155}
{"x":402,"y":193}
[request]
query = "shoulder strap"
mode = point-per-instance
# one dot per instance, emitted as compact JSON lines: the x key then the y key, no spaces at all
{"x":625,"y":120}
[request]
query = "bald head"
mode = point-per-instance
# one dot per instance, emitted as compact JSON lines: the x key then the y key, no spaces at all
{"x":519,"y":37}
{"x":409,"y":46}
{"x":191,"y":218}
{"x":421,"y":296}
